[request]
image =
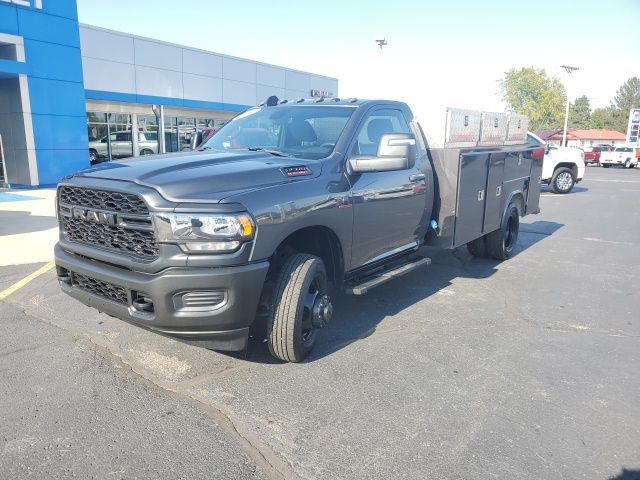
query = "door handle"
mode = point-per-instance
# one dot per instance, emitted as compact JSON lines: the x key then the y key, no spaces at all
{"x":416,"y":177}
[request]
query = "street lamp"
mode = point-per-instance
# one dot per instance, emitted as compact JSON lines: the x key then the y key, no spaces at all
{"x":569,"y":70}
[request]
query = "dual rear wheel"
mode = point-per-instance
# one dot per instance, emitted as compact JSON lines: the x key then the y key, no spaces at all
{"x":499,"y":244}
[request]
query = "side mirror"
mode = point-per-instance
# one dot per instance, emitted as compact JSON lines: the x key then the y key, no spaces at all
{"x":396,"y":151}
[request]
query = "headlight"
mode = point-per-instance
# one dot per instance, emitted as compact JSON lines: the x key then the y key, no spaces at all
{"x":205,"y":233}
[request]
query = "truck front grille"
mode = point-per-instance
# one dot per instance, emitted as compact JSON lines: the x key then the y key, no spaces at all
{"x":136,"y":242}
{"x":99,"y":288}
{"x":114,"y":221}
{"x":103,"y":200}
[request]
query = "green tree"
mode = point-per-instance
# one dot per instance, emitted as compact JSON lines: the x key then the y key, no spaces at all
{"x":580,"y":113}
{"x":530,"y":91}
{"x":627,"y":97}
{"x":603,"y":118}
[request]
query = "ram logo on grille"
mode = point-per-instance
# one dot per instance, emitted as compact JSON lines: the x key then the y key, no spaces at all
{"x":94,"y":216}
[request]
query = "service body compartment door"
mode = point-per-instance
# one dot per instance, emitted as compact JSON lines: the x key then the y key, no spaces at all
{"x":495,"y":197}
{"x":533,"y":198}
{"x":472,"y":183}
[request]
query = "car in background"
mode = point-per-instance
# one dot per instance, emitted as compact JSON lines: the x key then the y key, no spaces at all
{"x":592,"y":154}
{"x":562,"y":167}
{"x":626,"y":156}
{"x":121,"y":146}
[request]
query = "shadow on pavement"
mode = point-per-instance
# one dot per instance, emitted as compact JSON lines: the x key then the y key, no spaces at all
{"x":576,"y":189}
{"x":357,"y":317}
{"x":627,"y":475}
{"x":15,"y":222}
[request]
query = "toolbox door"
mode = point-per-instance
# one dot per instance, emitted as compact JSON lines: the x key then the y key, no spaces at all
{"x":495,"y":195}
{"x":472,"y":183}
{"x":533,"y":196}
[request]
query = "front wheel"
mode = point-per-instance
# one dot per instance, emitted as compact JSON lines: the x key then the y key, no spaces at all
{"x":501,"y":244}
{"x":605,"y":165}
{"x":562,"y":181}
{"x":146,"y":151}
{"x":300,"y":306}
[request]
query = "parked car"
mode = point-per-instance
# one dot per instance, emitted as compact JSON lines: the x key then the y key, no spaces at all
{"x":283,"y":205}
{"x":626,"y":156}
{"x":122,"y":146}
{"x":563,"y":167}
{"x":592,"y":154}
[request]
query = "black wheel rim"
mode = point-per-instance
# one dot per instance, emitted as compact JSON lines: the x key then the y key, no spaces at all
{"x":511,"y":232}
{"x":316,"y":290}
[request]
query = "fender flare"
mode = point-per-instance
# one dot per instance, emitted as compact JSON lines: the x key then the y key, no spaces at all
{"x":520,"y":205}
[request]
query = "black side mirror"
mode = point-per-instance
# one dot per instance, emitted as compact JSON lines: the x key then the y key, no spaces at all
{"x":396,"y":151}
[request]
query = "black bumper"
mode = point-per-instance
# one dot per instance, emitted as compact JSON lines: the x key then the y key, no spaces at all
{"x":113,"y":290}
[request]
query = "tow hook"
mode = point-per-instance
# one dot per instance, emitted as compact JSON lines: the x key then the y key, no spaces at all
{"x":322,"y":311}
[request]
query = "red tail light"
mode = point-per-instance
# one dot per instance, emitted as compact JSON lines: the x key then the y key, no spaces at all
{"x":537,"y":153}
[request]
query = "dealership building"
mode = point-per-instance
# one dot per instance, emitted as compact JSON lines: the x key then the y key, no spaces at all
{"x":71,"y":92}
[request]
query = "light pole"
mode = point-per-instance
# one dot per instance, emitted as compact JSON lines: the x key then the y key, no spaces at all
{"x":569,"y":70}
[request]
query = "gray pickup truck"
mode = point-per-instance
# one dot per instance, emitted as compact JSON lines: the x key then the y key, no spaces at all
{"x":286,"y":204}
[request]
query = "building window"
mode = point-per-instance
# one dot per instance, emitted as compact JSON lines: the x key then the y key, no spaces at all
{"x":109,"y":136}
{"x":147,"y":134}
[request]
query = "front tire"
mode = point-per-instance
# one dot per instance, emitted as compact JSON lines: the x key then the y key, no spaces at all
{"x":562,"y":181}
{"x":606,"y":165}
{"x":501,"y":244}
{"x":300,"y":306}
{"x":627,"y":164}
{"x":146,"y":151}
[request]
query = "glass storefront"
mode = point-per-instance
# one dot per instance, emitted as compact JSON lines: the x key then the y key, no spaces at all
{"x":110,"y":134}
{"x":148,"y":134}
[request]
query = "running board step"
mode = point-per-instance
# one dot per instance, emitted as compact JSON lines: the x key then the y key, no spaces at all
{"x":383,"y":276}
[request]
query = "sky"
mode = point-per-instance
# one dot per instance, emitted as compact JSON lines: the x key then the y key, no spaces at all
{"x":439,"y":53}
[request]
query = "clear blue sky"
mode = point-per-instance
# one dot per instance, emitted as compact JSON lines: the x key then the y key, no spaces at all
{"x":439,"y":53}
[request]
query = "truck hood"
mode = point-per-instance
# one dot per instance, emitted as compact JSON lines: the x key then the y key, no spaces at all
{"x":205,"y":176}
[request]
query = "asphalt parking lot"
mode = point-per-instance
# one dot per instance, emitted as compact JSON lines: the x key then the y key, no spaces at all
{"x":466,"y":369}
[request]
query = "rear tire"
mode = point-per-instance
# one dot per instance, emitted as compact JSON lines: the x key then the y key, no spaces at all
{"x":562,"y":181}
{"x":146,"y":151}
{"x":605,"y":165}
{"x":477,"y":247}
{"x":502,"y":242}
{"x":627,"y":164}
{"x":301,"y":284}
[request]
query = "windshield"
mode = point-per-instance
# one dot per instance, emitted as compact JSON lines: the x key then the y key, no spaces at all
{"x":305,"y":131}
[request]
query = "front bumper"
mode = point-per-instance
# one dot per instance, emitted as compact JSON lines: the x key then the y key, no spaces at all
{"x":221,"y":326}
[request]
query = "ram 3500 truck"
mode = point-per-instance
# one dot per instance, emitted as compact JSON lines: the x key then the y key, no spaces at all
{"x":287,"y":203}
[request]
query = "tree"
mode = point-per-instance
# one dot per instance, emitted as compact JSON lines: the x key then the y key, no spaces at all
{"x":580,"y":113}
{"x":627,"y":97}
{"x":603,"y":118}
{"x":529,"y":91}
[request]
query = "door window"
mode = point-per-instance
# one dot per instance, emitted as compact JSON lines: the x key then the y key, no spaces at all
{"x":378,"y":123}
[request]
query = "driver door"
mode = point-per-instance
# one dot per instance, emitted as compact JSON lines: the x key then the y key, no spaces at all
{"x":388,"y":206}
